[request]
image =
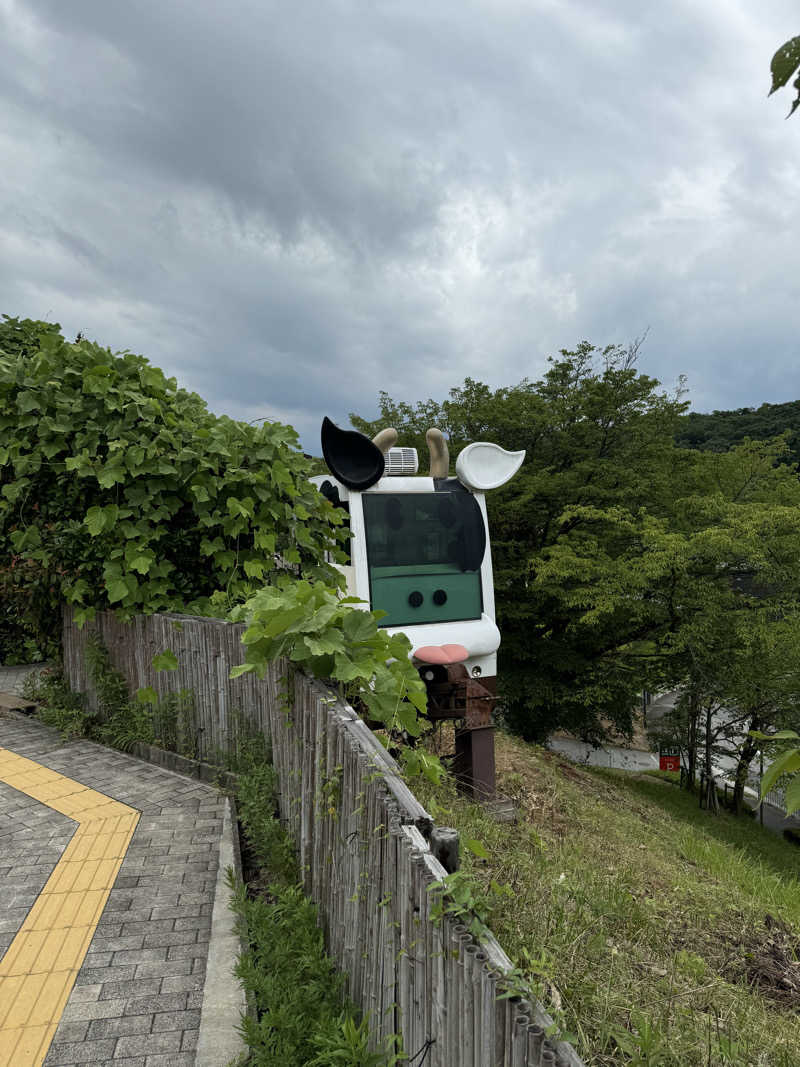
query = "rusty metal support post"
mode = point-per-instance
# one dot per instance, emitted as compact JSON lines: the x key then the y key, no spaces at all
{"x":474,"y":763}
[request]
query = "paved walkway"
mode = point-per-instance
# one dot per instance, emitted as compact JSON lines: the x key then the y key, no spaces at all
{"x":110,"y":870}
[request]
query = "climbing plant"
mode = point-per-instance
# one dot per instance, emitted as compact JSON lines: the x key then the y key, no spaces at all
{"x":332,"y":638}
{"x":118,"y":489}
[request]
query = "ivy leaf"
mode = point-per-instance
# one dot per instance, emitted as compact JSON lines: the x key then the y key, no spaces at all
{"x":419,"y":697}
{"x":323,"y":644}
{"x":399,"y":646}
{"x":253,"y":568}
{"x":141,"y":563}
{"x":784,"y":63}
{"x":84,"y":615}
{"x":264,"y":540}
{"x":147,"y":695}
{"x":117,"y":589}
{"x":95,"y":521}
{"x":109,"y":476}
{"x":165,"y":661}
{"x":476,"y":848}
{"x":359,"y":626}
{"x":345,"y":670}
{"x":407,"y":717}
{"x":240,"y":507}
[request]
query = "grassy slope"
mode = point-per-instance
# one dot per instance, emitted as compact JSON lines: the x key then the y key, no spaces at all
{"x":643,"y":919}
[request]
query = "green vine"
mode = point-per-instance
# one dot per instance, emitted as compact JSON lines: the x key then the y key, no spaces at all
{"x":120,"y":490}
{"x":325,"y":634}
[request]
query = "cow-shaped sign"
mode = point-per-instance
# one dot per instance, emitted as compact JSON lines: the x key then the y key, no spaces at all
{"x":420,"y":551}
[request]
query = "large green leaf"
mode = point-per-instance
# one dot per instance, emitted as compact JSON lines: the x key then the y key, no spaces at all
{"x":792,"y":795}
{"x":117,"y":589}
{"x":165,"y":661}
{"x":359,"y":626}
{"x":786,"y":763}
{"x":784,"y":63}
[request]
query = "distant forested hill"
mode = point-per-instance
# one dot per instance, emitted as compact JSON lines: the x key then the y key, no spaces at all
{"x":720,"y":430}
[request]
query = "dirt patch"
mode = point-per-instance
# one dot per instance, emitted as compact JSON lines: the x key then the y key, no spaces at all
{"x":254,"y":876}
{"x":649,"y":779}
{"x":570,"y":772}
{"x":768,"y":958}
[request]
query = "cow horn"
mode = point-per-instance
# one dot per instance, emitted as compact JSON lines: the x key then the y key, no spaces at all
{"x":385,"y":439}
{"x":440,"y":456}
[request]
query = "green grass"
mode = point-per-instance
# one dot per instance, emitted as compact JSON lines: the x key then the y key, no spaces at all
{"x":643,"y":923}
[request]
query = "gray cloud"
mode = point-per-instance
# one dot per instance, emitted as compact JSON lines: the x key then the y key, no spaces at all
{"x":291,"y":208}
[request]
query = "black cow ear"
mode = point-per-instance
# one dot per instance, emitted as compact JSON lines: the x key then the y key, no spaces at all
{"x":351,"y":457}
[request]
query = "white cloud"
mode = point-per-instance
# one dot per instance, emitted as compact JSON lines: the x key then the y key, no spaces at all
{"x":296,"y":207}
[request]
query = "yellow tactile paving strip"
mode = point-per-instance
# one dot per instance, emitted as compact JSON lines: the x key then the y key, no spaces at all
{"x":39,"y":969}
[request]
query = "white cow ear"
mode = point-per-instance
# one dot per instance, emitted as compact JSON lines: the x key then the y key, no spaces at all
{"x":485,"y":466}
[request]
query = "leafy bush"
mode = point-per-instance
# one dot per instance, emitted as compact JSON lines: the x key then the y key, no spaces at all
{"x":118,"y":489}
{"x":59,"y":706}
{"x":329,"y":637}
{"x":116,"y":720}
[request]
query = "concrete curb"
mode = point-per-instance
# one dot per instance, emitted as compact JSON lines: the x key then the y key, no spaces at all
{"x":220,"y":1042}
{"x":192,"y":768}
{"x":224,"y":999}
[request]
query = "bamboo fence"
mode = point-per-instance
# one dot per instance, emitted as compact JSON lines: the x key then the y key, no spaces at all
{"x":362,"y":844}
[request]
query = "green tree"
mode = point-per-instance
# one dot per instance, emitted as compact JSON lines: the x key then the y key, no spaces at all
{"x":119,"y":489}
{"x":598,"y":436}
{"x":719,"y":431}
{"x":713,"y":581}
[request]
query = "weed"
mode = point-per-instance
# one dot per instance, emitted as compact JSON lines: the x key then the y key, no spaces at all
{"x":301,"y":1017}
{"x":59,"y":707}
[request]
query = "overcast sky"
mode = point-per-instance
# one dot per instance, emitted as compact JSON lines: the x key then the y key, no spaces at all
{"x":291,"y":206}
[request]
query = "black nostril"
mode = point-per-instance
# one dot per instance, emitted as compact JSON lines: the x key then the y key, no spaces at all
{"x":440,"y":597}
{"x":415,"y":598}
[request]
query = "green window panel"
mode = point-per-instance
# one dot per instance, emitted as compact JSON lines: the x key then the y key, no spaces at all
{"x":424,"y":554}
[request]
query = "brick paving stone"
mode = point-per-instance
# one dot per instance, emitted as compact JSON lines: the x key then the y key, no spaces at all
{"x":149,"y":1044}
{"x":198,"y":922}
{"x":189,"y":1042}
{"x":182,"y":952}
{"x":76,"y":1031}
{"x":164,"y":968}
{"x":123,"y":1026}
{"x":183,"y":983}
{"x":93,"y":1009}
{"x":79,"y":1052}
{"x":176,"y":1020}
{"x":180,"y":1059}
{"x":138,"y":995}
{"x":158,"y":1002}
{"x":90,"y":975}
{"x":174,"y":937}
{"x":139,"y":955}
{"x":140,"y":986}
{"x":81,"y":993}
